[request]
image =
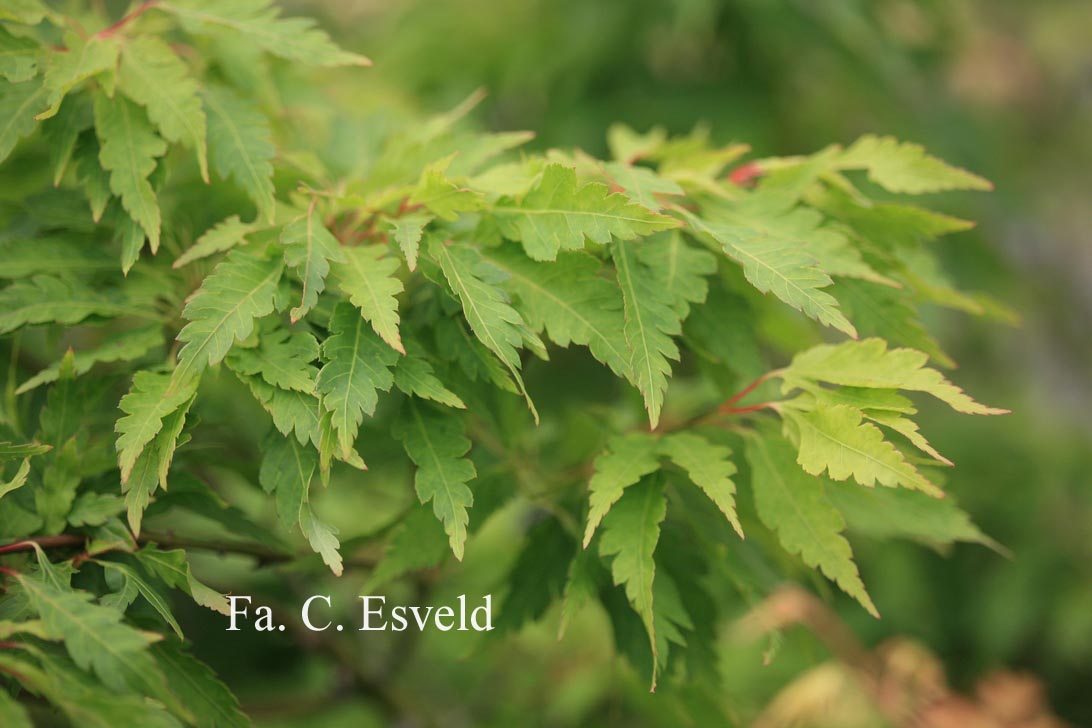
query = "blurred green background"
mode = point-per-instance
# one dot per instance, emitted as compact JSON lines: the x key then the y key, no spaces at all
{"x":1003,"y":87}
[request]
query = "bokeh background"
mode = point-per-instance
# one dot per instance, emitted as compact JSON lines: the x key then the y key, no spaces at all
{"x":1003,"y":87}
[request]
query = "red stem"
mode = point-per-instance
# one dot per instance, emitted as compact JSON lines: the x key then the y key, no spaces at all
{"x":726,"y":408}
{"x":140,"y":10}
{"x":742,"y":410}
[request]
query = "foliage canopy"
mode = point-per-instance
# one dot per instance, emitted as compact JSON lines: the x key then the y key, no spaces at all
{"x":178,"y":246}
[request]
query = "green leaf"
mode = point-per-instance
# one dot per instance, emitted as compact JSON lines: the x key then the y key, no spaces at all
{"x":19,"y":103}
{"x":258,"y":22}
{"x":146,"y":590}
{"x":241,"y":145}
{"x":366,"y":275}
{"x":709,"y":466}
{"x":869,"y":363}
{"x":197,"y":686}
{"x":152,"y":74}
{"x":442,"y":197}
{"x":679,"y":269}
{"x":901,"y":513}
{"x":150,"y":469}
{"x":357,"y":369}
{"x":282,"y":358}
{"x":407,"y":231}
{"x":287,"y":470}
{"x":222,"y":236}
{"x":222,"y":311}
{"x":626,"y":460}
{"x":643,"y":185}
{"x":558,"y":214}
{"x":492,"y":319}
{"x":904,"y":167}
{"x":570,"y":301}
{"x":173,"y":568}
{"x":794,"y":505}
{"x":9,"y":450}
{"x":19,"y":57}
{"x":779,"y":265}
{"x":309,"y":247}
{"x":18,"y":480}
{"x":95,"y":636}
{"x":414,"y":376}
{"x":151,"y":399}
{"x":80,"y":60}
{"x":128,"y":151}
{"x":835,"y":440}
{"x":630,"y":534}
{"x":292,"y":411}
{"x":650,"y":323}
{"x":436,"y":444}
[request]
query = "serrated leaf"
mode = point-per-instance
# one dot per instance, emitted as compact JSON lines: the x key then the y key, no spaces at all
{"x":240,"y":290}
{"x":630,"y":534}
{"x":436,"y":444}
{"x":678,"y":268}
{"x":901,"y":513}
{"x":642,"y":185}
{"x":259,"y":22}
{"x":151,"y":398}
{"x":128,"y":151}
{"x":414,"y":376}
{"x":883,"y":312}
{"x":19,"y":103}
{"x":570,"y":301}
{"x":908,"y":429}
{"x":282,"y":358}
{"x":492,"y":319}
{"x":558,"y":214}
{"x":709,"y":466}
{"x":81,"y":59}
{"x":197,"y":686}
{"x":870,"y":363}
{"x":441,"y":196}
{"x":650,"y":323}
{"x":309,"y":247}
{"x":222,"y":236}
{"x":241,"y":145}
{"x":146,"y":590}
{"x":366,"y":275}
{"x":781,"y":266}
{"x":173,"y":568}
{"x":836,"y":441}
{"x":905,"y":167}
{"x":95,"y":637}
{"x":407,"y":231}
{"x":793,"y":505}
{"x":10,"y":450}
{"x":288,"y":468}
{"x":357,"y":369}
{"x":626,"y":460}
{"x":292,"y":411}
{"x":151,"y":74}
